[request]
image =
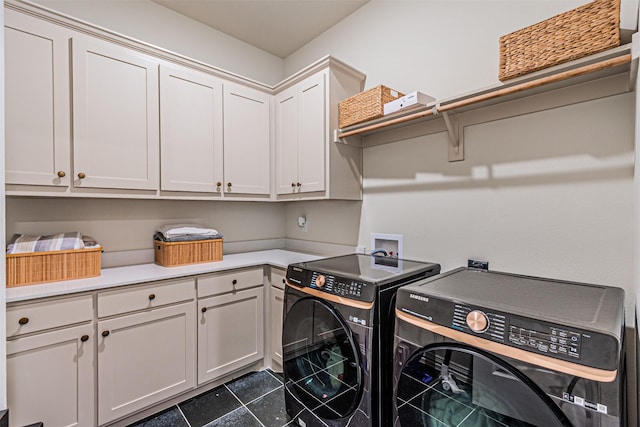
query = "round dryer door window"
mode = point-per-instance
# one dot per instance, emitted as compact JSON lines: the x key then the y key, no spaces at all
{"x":321,"y":359}
{"x":457,"y":385}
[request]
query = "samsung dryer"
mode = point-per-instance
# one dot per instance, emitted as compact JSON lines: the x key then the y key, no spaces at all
{"x":478,"y":348}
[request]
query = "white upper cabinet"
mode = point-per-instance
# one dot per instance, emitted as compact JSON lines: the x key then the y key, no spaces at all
{"x":308,"y":164}
{"x":115,"y":116}
{"x":190,"y":131}
{"x":247,"y":130}
{"x":37,"y":117}
{"x":300,"y":135}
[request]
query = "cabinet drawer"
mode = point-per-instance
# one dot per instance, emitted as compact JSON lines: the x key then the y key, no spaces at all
{"x":23,"y":319}
{"x":140,"y":297}
{"x":222,"y":283}
{"x":277,"y":277}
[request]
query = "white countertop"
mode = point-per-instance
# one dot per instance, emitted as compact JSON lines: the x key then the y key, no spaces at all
{"x":134,"y":274}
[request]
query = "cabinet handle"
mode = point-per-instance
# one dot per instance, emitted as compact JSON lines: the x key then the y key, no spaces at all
{"x":204,"y":309}
{"x":105,"y":333}
{"x":228,"y":185}
{"x":61,"y":174}
{"x":284,"y":281}
{"x":293,"y":185}
{"x":84,"y":338}
{"x":23,"y":320}
{"x":152,"y":297}
{"x":218,"y":184}
{"x":81,"y":175}
{"x":298,"y":185}
{"x":234,"y":282}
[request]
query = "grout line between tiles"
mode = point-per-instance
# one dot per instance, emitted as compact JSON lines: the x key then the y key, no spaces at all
{"x":245,"y":406}
{"x":183,"y":416}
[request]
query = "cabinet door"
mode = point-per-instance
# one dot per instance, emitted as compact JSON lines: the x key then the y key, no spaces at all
{"x":246,"y":140}
{"x":277,"y":307}
{"x":50,"y":378}
{"x":144,"y":358}
{"x":115,"y":117}
{"x":191,"y":130}
{"x":230,"y":333}
{"x":38,"y":121}
{"x":286,"y":104}
{"x":312,"y":128}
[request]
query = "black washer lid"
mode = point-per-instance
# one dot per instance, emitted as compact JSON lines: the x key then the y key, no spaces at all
{"x":367,"y":268}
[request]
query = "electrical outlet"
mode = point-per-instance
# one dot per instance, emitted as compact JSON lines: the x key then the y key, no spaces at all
{"x":478,"y":264}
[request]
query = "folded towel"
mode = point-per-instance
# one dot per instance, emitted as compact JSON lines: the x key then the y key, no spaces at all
{"x":21,"y":243}
{"x":185,"y":233}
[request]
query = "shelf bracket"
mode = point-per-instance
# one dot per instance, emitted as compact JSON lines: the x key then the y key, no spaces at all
{"x":337,"y":139}
{"x":456,"y":143}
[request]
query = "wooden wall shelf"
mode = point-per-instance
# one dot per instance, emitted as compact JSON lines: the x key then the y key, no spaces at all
{"x":604,"y":64}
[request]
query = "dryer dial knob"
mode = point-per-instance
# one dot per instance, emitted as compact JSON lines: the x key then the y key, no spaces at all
{"x":320,"y":281}
{"x":477,"y":321}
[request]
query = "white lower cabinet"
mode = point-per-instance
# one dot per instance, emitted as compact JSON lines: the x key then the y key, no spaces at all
{"x":147,"y":356}
{"x":230,"y":325}
{"x":97,"y":358}
{"x":276,"y":308}
{"x":50,"y":372}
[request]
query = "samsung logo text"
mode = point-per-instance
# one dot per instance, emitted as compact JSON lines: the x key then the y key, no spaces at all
{"x":419,"y":297}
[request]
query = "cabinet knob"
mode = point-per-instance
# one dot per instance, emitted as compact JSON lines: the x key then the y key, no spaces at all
{"x":234,"y":282}
{"x":81,"y":175}
{"x":61,"y":174}
{"x":105,"y":333}
{"x":84,"y":338}
{"x":23,"y":320}
{"x":284,"y":281}
{"x":293,"y":185}
{"x":152,"y":297}
{"x":228,"y":184}
{"x":298,"y":184}
{"x":204,"y":309}
{"x":218,"y":184}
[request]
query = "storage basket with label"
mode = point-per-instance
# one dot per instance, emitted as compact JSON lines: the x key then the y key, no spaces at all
{"x":583,"y":31}
{"x":183,"y":244}
{"x":41,"y":259}
{"x":367,"y":105}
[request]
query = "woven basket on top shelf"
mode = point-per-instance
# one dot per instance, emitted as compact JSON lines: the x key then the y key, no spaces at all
{"x":367,"y":105}
{"x":579,"y":32}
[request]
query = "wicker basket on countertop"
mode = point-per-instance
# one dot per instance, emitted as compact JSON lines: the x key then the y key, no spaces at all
{"x":367,"y":105}
{"x":171,"y":254}
{"x":583,"y":31}
{"x":42,"y":267}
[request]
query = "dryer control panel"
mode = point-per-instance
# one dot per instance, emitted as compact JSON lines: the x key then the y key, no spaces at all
{"x":517,"y":332}
{"x":537,"y":336}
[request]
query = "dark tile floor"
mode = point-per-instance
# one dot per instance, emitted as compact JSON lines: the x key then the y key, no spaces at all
{"x":255,"y":399}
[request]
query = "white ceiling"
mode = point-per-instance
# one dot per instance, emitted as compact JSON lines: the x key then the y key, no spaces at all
{"x":279,"y":27}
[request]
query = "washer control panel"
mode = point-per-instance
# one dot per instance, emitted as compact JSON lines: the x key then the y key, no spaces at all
{"x":336,"y":285}
{"x":332,"y":284}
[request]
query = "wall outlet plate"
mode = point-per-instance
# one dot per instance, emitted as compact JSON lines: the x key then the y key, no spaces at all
{"x":478,"y":264}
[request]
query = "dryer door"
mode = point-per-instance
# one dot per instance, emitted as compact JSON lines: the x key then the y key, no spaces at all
{"x":458,"y":385}
{"x":322,"y":365}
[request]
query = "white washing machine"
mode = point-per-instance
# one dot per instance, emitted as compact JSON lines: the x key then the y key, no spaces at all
{"x":489,"y":349}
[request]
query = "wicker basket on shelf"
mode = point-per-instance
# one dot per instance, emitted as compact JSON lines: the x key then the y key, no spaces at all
{"x":171,"y":254}
{"x":42,"y":267}
{"x":583,"y":31}
{"x":367,"y":105}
